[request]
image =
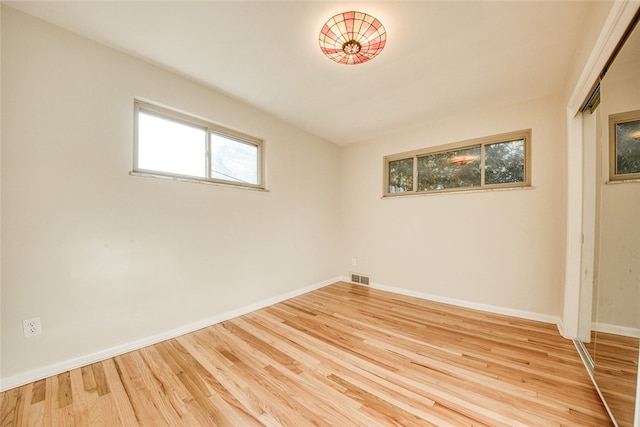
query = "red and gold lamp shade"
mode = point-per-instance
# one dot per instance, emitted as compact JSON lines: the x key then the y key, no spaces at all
{"x":352,"y":38}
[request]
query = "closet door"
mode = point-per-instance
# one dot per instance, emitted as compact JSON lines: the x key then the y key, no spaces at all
{"x":615,"y":335}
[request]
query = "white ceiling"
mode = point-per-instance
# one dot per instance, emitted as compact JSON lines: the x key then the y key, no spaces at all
{"x":441,"y":57}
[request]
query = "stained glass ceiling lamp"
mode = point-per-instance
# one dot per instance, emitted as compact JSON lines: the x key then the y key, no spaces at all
{"x":352,"y":38}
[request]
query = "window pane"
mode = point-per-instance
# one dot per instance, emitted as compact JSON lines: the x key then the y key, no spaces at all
{"x":401,"y":176}
{"x":451,"y":169}
{"x":628,"y":147}
{"x":233,"y":160}
{"x":171,"y":147}
{"x":504,"y":162}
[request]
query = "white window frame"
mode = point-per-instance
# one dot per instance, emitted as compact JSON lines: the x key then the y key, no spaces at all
{"x":209,"y":128}
{"x":481,"y":142}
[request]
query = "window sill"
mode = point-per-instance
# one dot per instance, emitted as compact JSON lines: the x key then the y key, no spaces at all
{"x":196,"y":181}
{"x":445,"y":192}
{"x":624,"y":181}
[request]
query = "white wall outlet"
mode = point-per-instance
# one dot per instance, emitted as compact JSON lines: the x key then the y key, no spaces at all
{"x":353,"y":262}
{"x":32,"y":327}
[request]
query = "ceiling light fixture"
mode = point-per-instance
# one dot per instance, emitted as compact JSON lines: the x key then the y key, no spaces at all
{"x":352,"y":38}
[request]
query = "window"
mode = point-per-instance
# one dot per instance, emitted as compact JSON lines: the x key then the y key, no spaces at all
{"x":624,"y":141}
{"x":168,"y":143}
{"x":499,"y":161}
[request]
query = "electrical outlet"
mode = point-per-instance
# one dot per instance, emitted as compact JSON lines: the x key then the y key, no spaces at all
{"x":32,"y":327}
{"x":354,"y":263}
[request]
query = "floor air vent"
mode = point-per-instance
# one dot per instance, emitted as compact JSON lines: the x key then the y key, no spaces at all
{"x":359,"y":278}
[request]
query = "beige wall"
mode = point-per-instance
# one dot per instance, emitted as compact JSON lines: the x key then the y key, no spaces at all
{"x":105,"y":258}
{"x":0,"y":188}
{"x":595,"y":20}
{"x":499,"y":248}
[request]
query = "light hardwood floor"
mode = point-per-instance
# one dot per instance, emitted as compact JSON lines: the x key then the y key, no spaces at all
{"x":616,"y":370}
{"x":343,"y":355}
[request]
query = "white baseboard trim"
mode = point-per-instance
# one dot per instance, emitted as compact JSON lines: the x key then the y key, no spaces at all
{"x":616,"y":329}
{"x":545,"y":318}
{"x":60,"y":367}
{"x":560,"y":325}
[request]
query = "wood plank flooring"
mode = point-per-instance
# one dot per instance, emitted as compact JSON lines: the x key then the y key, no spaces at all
{"x":343,"y":355}
{"x":616,"y":371}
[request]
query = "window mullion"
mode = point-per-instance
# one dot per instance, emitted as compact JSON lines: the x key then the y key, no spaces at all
{"x":415,"y":173}
{"x":482,"y":155}
{"x":207,"y":154}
